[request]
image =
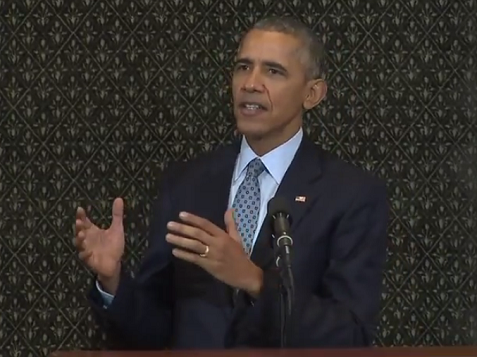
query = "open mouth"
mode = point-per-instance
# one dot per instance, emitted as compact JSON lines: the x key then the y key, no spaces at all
{"x":251,"y":109}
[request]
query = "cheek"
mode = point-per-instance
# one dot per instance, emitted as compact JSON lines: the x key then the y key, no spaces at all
{"x":286,"y":101}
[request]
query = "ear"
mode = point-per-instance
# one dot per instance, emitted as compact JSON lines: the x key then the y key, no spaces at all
{"x":316,"y":92}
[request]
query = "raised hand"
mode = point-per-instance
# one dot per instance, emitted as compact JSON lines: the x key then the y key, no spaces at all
{"x":102,"y":249}
{"x":219,"y":252}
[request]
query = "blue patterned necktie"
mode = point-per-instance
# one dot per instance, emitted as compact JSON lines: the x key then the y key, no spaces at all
{"x":246,"y":204}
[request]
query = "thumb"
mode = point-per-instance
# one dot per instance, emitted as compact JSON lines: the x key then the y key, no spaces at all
{"x":231,"y":226}
{"x":118,"y":213}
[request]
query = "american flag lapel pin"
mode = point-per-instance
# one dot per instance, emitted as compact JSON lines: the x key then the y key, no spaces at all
{"x":300,"y":199}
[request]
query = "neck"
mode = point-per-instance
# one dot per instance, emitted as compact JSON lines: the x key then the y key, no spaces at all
{"x":264,"y":144}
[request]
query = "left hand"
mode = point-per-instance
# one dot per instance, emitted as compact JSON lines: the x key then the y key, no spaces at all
{"x":220,"y":253}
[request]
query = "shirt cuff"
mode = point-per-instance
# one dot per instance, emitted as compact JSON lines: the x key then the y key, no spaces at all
{"x":107,"y":298}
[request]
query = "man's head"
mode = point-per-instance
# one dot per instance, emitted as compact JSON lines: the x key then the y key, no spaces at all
{"x":277,"y":76}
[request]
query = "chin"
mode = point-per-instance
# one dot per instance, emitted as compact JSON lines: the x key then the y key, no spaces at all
{"x":253,"y":128}
{"x":252,"y":131}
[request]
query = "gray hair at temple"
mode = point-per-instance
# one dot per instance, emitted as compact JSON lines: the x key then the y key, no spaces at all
{"x":313,"y":46}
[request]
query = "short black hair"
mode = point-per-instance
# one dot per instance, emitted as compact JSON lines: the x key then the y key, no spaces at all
{"x":314,"y":47}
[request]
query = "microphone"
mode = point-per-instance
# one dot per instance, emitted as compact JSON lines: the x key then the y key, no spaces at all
{"x":281,"y":220}
{"x":278,"y":212}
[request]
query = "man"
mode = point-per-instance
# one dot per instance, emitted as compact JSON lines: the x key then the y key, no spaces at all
{"x":203,"y":248}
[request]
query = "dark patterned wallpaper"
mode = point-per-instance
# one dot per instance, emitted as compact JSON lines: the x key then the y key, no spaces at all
{"x":97,"y":97}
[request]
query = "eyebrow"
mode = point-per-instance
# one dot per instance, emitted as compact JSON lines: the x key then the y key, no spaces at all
{"x":271,"y":64}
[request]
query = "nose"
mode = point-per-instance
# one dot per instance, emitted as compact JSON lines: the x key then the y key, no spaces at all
{"x":253,"y":82}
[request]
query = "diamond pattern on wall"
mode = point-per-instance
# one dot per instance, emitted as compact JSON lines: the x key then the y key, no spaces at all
{"x":98,"y":97}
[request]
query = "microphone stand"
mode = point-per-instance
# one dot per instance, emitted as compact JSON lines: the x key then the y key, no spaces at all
{"x":287,"y":295}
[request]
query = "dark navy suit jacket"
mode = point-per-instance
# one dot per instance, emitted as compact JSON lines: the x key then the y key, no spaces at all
{"x":339,"y":254}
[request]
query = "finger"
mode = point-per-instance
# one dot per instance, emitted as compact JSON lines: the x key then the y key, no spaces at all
{"x":200,"y":222}
{"x":81,"y":216}
{"x":79,"y":226}
{"x":190,"y":232}
{"x":191,"y":245}
{"x":189,"y":257}
{"x":231,"y":226}
{"x":80,"y":213}
{"x":79,"y":240}
{"x":84,"y":255}
{"x":118,"y":213}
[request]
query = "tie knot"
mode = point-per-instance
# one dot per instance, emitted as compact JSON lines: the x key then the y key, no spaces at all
{"x":255,"y":167}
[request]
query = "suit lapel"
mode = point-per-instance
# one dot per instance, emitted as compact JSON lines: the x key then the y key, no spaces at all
{"x":212,"y":198}
{"x":298,"y":183}
{"x":211,"y":201}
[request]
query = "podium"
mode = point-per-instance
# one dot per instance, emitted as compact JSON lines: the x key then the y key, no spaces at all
{"x":365,"y":352}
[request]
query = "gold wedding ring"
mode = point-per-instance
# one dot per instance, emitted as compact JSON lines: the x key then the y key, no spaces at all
{"x":204,"y":255}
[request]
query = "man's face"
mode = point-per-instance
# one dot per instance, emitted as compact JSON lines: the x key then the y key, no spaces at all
{"x":270,"y":87}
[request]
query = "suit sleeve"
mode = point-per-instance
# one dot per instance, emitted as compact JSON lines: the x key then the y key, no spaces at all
{"x":139,"y":315}
{"x":344,"y":312}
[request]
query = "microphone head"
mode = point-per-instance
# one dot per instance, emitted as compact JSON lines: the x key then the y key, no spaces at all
{"x":278,"y":205}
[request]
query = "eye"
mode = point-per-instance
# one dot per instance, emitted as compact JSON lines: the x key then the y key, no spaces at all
{"x":274,"y":71}
{"x":241,"y":67}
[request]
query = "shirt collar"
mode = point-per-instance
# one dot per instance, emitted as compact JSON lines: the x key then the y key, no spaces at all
{"x":276,"y":161}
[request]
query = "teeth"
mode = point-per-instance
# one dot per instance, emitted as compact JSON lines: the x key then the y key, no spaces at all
{"x":252,"y":106}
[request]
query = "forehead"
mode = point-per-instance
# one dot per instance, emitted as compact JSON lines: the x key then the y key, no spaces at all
{"x":259,"y":45}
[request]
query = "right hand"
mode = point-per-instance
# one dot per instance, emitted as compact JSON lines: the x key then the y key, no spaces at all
{"x":101,"y":249}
